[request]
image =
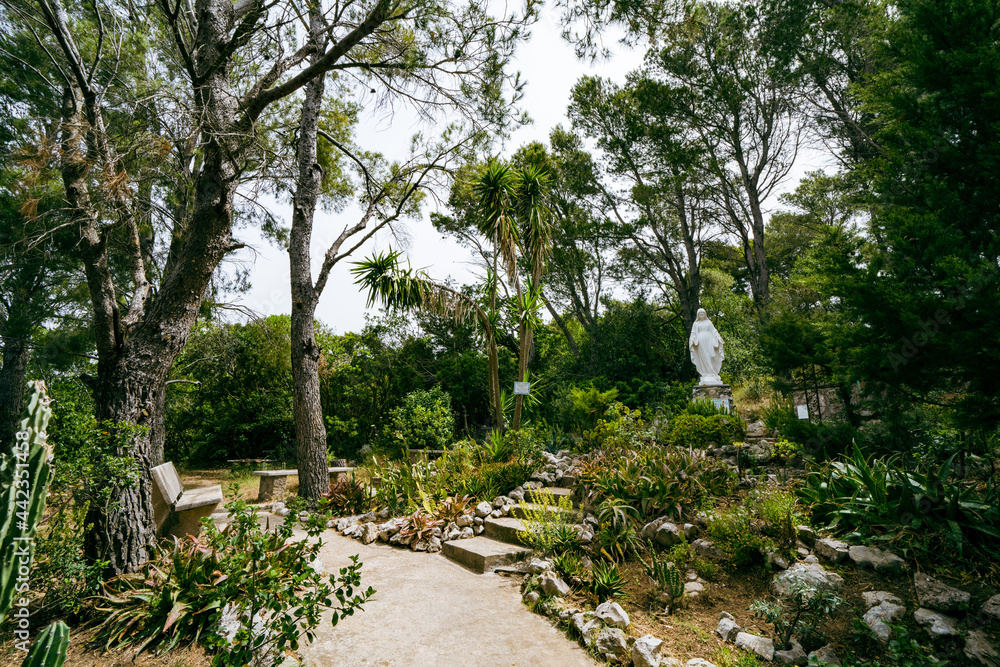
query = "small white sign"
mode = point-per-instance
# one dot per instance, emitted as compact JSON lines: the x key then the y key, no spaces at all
{"x":802,"y":411}
{"x":721,"y":404}
{"x":522,"y":388}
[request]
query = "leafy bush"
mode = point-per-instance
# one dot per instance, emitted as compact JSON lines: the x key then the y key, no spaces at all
{"x":548,"y":524}
{"x":493,"y":479}
{"x":620,"y":428}
{"x":923,"y":511}
{"x":590,"y":404}
{"x":799,"y":613}
{"x":424,"y":420}
{"x":655,"y":480}
{"x":693,"y":430}
{"x":180,"y":595}
{"x":733,"y":533}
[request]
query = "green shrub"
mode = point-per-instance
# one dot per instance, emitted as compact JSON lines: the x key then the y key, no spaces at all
{"x":424,"y":420}
{"x":922,"y":511}
{"x":494,"y":479}
{"x":179,"y":596}
{"x":548,"y":525}
{"x":655,"y":480}
{"x":799,"y":613}
{"x":692,"y":430}
{"x":733,"y":533}
{"x":620,"y":428}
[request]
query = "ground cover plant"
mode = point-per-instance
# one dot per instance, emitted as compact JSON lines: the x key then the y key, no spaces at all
{"x":263,"y":579}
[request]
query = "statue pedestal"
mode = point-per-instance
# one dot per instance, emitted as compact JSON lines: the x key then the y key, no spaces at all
{"x":720,"y":394}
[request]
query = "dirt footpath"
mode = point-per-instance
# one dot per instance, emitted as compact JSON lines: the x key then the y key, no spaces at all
{"x":432,"y":612}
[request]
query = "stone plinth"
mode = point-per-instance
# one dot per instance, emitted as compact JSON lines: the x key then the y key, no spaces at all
{"x":720,"y":394}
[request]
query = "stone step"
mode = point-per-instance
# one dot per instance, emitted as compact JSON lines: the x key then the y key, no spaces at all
{"x":483,"y":554}
{"x":556,"y":492}
{"x":518,"y":512}
{"x":504,"y":529}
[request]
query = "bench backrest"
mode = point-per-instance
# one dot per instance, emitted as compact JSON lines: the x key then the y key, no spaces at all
{"x":166,"y":478}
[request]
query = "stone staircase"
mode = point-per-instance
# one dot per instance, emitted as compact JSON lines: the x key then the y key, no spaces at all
{"x":499,"y":546}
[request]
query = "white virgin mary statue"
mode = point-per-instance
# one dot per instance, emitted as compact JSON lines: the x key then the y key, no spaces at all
{"x":706,"y":349}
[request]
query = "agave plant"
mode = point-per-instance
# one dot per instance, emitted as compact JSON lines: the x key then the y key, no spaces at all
{"x":606,"y":581}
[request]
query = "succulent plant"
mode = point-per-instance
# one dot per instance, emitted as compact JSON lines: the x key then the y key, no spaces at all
{"x":49,"y":650}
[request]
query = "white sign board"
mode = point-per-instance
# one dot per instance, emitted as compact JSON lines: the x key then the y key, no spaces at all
{"x":721,"y":404}
{"x":802,"y":411}
{"x":522,"y":388}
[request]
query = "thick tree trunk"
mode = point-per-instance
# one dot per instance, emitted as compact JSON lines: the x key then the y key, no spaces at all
{"x":158,"y":427}
{"x":310,"y":432}
{"x":16,"y":354}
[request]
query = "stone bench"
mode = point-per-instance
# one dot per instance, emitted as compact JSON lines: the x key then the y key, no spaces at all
{"x":274,"y":482}
{"x":176,"y":511}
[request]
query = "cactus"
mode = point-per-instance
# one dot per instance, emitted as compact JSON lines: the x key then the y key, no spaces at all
{"x":674,"y":585}
{"x":24,"y":481}
{"x":49,"y":650}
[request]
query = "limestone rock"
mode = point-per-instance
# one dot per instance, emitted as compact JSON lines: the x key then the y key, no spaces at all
{"x":478,"y":530}
{"x":553,"y":586}
{"x":466,"y":533}
{"x":873,"y":598}
{"x":612,"y":614}
{"x":668,"y":534}
{"x":649,"y":530}
{"x":463,"y":521}
{"x":806,"y":534}
{"x":705,"y":548}
{"x":368,"y":533}
{"x":434,"y":545}
{"x":932,"y":594}
{"x":831,"y":549}
{"x":587,"y":625}
{"x":539,"y":565}
{"x":776,"y":561}
{"x":979,"y":647}
{"x":691,"y":531}
{"x":420,"y":545}
{"x":936,"y":623}
{"x":992,"y":608}
{"x":762,"y":646}
{"x":517,"y":495}
{"x":483,"y":509}
{"x":499,"y":502}
{"x":646,"y":652}
{"x":825,"y":655}
{"x":699,"y":662}
{"x":793,"y":656}
{"x":611,"y":643}
{"x":532,"y":598}
{"x":728,"y":628}
{"x":878,"y":617}
{"x":694,"y":588}
{"x":876,"y":559}
{"x":812,"y":575}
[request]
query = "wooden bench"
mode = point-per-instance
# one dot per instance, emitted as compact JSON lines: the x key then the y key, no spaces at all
{"x":274,"y":482}
{"x":178,"y":512}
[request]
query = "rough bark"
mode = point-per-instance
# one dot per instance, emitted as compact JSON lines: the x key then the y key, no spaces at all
{"x":13,"y":374}
{"x":310,"y":432}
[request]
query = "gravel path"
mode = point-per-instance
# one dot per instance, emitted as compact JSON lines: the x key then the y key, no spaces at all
{"x":430,"y":612}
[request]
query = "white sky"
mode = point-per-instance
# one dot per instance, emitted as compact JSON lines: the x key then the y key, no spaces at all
{"x":550,"y":68}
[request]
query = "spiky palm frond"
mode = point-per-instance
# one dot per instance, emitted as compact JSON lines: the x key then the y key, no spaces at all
{"x":536,"y":232}
{"x":496,"y":190}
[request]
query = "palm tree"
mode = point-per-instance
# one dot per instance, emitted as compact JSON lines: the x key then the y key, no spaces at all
{"x":407,"y":290}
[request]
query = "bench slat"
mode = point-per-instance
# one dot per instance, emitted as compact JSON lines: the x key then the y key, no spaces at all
{"x":191,"y":498}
